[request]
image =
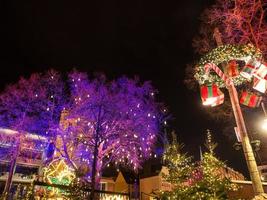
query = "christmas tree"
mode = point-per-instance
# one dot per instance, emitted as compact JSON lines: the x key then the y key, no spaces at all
{"x":214,"y":184}
{"x":179,"y":166}
{"x":200,"y":180}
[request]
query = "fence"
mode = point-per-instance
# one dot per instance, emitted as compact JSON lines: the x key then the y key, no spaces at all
{"x":44,"y":191}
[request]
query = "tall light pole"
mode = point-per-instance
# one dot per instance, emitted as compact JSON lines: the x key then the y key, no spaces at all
{"x":247,"y":149}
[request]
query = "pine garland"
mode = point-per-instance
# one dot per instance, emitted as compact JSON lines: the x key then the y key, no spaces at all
{"x":222,"y":54}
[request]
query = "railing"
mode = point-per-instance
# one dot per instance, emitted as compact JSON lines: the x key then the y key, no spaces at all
{"x":37,"y":189}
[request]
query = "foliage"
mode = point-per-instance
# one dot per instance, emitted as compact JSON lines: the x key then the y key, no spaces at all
{"x":202,"y":180}
{"x":240,"y":22}
{"x":92,"y":122}
{"x":179,"y":164}
{"x":223,"y":54}
{"x":33,"y":104}
{"x":113,"y":122}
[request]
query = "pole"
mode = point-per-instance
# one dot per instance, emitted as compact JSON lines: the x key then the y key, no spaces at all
{"x":11,"y":171}
{"x":263,"y":108}
{"x":247,"y":149}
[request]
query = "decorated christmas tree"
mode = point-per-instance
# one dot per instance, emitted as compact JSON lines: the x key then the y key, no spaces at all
{"x":179,"y":166}
{"x":214,"y":184}
{"x":200,"y":180}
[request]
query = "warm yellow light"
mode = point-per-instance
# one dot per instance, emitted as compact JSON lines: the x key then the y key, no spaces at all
{"x":264,"y":124}
{"x":60,"y":170}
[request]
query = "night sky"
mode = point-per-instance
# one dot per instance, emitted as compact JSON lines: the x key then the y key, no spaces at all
{"x":151,"y":39}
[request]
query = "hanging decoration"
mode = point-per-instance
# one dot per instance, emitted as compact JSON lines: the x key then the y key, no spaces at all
{"x":260,"y":85}
{"x":232,"y":69}
{"x":249,"y":69}
{"x":261,"y":72}
{"x":250,"y":99}
{"x":222,"y":54}
{"x":211,"y":95}
{"x":218,"y":101}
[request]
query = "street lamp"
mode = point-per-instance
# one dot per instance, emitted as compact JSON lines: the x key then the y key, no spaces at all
{"x":220,"y":56}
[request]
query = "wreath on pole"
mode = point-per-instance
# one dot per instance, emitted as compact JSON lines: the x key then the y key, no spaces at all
{"x":224,"y":54}
{"x":224,"y":63}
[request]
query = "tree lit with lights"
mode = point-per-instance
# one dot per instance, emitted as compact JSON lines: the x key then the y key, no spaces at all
{"x":201,"y":180}
{"x":33,"y":105}
{"x":91,"y":122}
{"x":110,"y":123}
{"x":240,"y":22}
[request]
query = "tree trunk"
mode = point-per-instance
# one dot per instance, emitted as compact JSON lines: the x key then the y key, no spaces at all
{"x":94,"y":183}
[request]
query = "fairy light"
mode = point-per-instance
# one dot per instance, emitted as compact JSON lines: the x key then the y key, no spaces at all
{"x":58,"y":172}
{"x":221,"y":54}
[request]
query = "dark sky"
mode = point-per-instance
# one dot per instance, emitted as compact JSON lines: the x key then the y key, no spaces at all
{"x":151,"y":39}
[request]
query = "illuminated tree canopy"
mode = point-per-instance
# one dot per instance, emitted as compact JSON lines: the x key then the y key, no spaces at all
{"x":239,"y":21}
{"x":110,"y":122}
{"x":34,"y":104}
{"x":94,"y":123}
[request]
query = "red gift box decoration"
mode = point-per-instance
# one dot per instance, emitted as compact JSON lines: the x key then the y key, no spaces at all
{"x":261,"y":72}
{"x":260,"y":85}
{"x":211,"y":95}
{"x":250,"y":99}
{"x":249,"y":69}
